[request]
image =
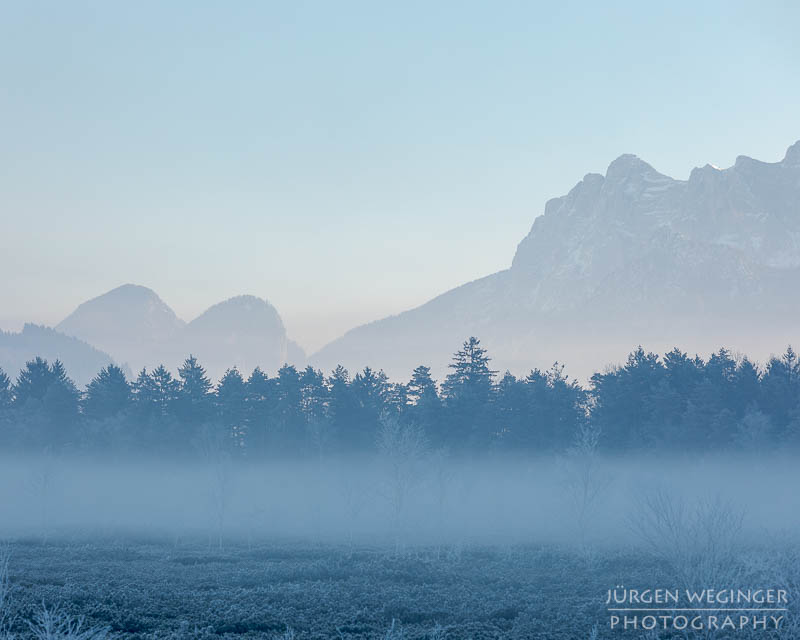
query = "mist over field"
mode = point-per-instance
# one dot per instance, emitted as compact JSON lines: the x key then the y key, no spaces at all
{"x":401,"y":543}
{"x":480,"y":500}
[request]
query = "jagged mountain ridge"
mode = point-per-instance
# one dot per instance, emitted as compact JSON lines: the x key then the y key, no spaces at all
{"x":630,"y":257}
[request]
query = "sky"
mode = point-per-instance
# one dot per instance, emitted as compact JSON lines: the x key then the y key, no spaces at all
{"x":348,"y":160}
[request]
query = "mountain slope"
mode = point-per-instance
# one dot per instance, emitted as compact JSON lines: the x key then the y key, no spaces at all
{"x":138,"y":328}
{"x":630,"y":257}
{"x":244,"y":331}
{"x":131,"y":322}
{"x":81,"y":360}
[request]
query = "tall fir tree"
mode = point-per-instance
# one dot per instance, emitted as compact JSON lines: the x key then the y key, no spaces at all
{"x":623,"y":399}
{"x":342,"y":406}
{"x":369,"y":390}
{"x":194,"y":399}
{"x":47,"y":403}
{"x":288,"y":422}
{"x":231,"y":408}
{"x":424,"y":407}
{"x":153,"y":408}
{"x":261,"y":409}
{"x":108,"y":394}
{"x":315,"y":396}
{"x":468,"y":393}
{"x":33,"y":382}
{"x":781,"y":391}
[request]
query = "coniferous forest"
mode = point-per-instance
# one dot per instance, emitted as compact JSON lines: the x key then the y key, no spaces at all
{"x":669,"y":402}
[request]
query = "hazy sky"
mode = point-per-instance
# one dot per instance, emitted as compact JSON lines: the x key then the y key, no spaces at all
{"x":348,"y":160}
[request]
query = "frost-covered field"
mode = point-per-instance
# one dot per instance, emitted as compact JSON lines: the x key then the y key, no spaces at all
{"x":155,"y":588}
{"x":150,"y":589}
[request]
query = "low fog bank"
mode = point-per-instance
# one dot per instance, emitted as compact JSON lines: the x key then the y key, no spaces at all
{"x":359,"y":499}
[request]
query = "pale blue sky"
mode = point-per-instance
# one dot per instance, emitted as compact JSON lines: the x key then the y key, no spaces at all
{"x":348,"y":160}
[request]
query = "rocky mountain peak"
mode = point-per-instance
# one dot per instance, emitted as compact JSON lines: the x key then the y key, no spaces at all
{"x":630,"y":167}
{"x":632,"y":253}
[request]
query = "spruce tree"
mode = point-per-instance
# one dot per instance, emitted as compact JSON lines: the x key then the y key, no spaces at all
{"x":231,"y":405}
{"x":194,"y":394}
{"x":468,"y":393}
{"x":108,"y":394}
{"x":261,"y":408}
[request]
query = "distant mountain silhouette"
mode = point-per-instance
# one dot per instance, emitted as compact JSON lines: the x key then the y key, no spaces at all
{"x":630,"y":257}
{"x":131,"y":322}
{"x":138,"y":328}
{"x":244,"y":331}
{"x":81,"y":360}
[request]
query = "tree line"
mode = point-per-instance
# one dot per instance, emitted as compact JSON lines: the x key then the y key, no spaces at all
{"x":669,"y":402}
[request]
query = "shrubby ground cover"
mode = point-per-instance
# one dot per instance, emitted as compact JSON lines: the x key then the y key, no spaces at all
{"x":153,"y":588}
